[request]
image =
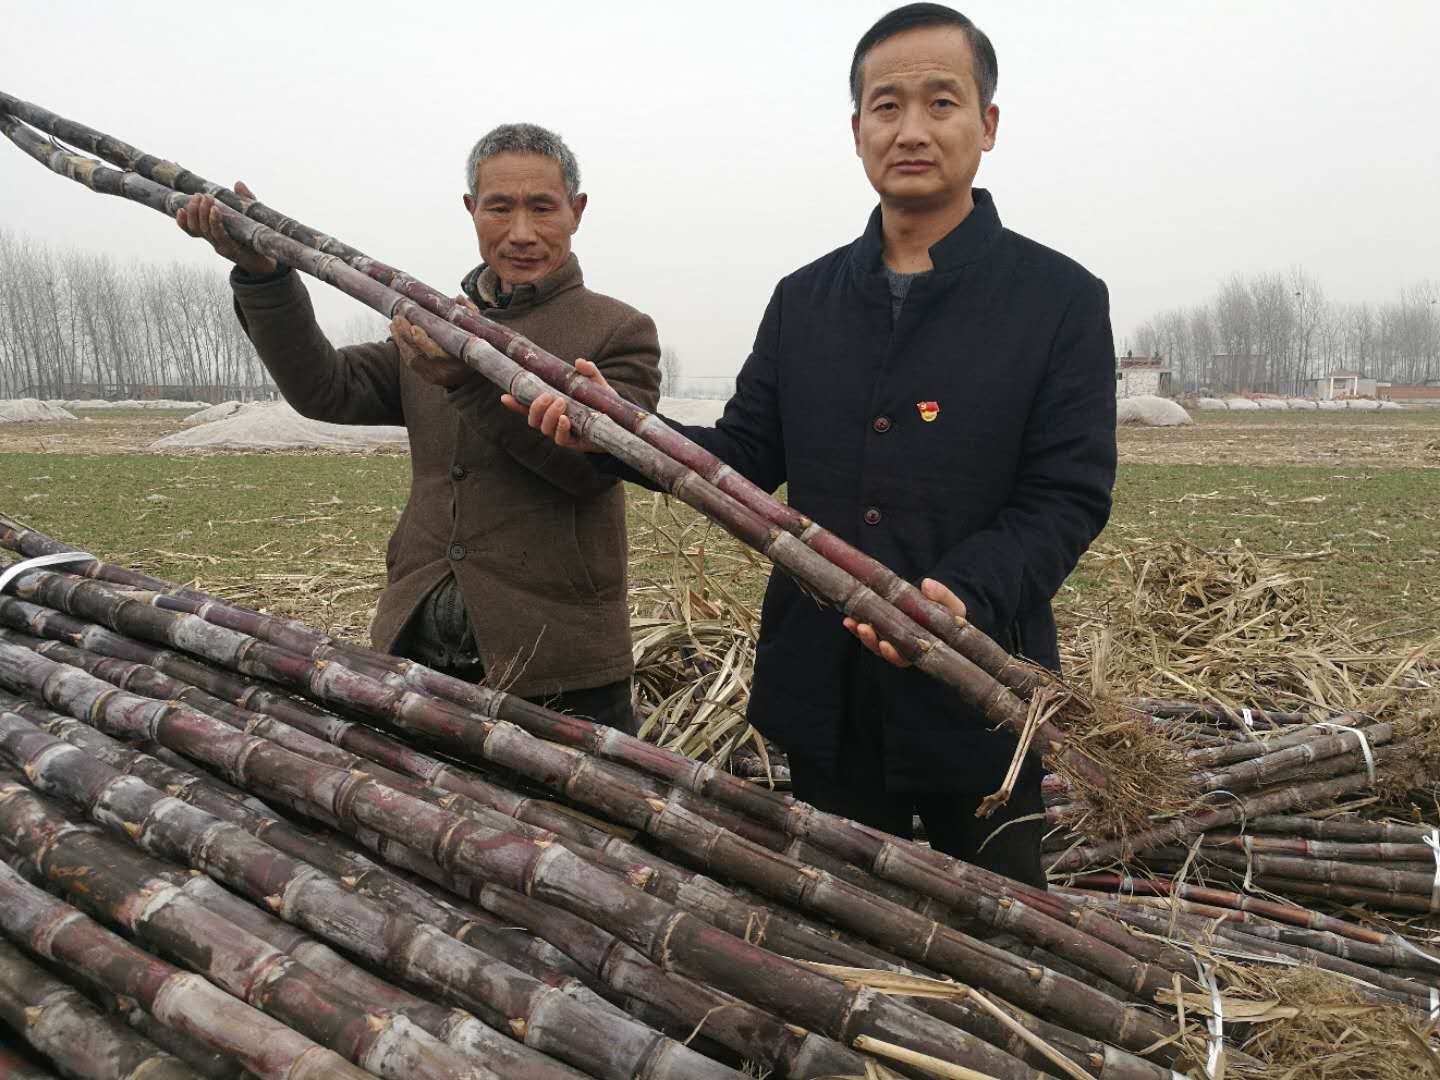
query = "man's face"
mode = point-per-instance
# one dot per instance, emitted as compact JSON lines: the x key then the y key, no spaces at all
{"x":919,"y":129}
{"x":523,"y":217}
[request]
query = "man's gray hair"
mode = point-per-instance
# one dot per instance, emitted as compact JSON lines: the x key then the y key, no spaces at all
{"x":523,"y":139}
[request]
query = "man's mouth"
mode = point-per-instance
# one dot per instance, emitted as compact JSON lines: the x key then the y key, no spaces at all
{"x":913,"y":165}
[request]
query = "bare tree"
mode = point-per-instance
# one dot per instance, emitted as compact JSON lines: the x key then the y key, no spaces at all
{"x":669,"y":370}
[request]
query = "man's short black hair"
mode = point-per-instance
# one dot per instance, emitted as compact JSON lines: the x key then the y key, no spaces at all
{"x":915,"y":17}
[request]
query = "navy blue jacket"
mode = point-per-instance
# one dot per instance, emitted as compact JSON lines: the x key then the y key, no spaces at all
{"x":997,"y":495}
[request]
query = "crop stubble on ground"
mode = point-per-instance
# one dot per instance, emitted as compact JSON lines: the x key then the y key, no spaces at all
{"x":303,"y":534}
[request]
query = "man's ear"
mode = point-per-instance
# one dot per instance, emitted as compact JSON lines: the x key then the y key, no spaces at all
{"x":855,"y":130}
{"x":991,"y":120}
{"x":578,"y":206}
{"x":469,"y":204}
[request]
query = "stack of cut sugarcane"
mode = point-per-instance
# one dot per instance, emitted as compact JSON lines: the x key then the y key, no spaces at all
{"x":249,"y":801}
{"x":355,"y":863}
{"x":1277,"y":831}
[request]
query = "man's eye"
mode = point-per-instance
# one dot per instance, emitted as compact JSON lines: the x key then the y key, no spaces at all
{"x":943,"y":102}
{"x":885,"y":106}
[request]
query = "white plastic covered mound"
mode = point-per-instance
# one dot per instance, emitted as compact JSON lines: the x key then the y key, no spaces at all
{"x":276,"y":426}
{"x":30,"y":410}
{"x":1151,"y":412}
{"x":1330,"y":406}
{"x":1362,"y":404}
{"x":1240,"y":404}
{"x":692,"y":410}
{"x":1270,"y":404}
{"x":165,"y":404}
{"x":215,"y":412}
{"x":1391,"y":406}
{"x":1300,"y":403}
{"x":1211,"y":404}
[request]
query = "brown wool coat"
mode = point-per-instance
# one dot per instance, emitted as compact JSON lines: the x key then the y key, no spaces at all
{"x":535,"y":535}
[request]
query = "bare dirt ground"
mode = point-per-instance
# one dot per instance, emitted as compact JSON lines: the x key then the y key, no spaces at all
{"x":1409,"y":439}
{"x":109,"y":431}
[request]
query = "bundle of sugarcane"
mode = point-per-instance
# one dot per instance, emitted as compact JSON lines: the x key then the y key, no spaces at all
{"x":1007,"y":690}
{"x":700,"y":904}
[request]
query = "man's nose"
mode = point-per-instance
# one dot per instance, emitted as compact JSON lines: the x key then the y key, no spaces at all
{"x":522,"y":230}
{"x":914,"y":131}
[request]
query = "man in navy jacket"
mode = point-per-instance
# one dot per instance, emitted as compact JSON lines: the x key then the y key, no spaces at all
{"x":939,"y":393}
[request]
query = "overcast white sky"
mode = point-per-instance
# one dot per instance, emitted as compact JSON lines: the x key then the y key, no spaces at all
{"x":1164,"y":145}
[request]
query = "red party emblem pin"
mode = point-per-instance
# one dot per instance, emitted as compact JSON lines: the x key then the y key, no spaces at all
{"x":928,"y":410}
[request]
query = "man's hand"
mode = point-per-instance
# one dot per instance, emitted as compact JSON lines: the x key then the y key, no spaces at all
{"x":201,"y":217}
{"x":428,"y":360}
{"x":933,"y":590}
{"x":546,"y":413}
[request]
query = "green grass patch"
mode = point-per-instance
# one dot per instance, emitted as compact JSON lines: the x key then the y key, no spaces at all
{"x":305,"y":534}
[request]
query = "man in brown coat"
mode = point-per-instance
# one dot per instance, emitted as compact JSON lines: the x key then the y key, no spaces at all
{"x":510,"y":555}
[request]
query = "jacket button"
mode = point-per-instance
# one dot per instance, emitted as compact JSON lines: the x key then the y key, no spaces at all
{"x":881,"y":424}
{"x":872,"y":516}
{"x":457,"y":552}
{"x":457,"y":472}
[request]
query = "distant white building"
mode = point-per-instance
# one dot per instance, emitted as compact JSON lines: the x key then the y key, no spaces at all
{"x":1138,"y":376}
{"x":1341,"y":384}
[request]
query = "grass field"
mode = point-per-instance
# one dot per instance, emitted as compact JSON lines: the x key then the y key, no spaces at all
{"x":303,"y":534}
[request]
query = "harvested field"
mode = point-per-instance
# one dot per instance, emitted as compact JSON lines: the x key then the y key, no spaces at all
{"x":1383,"y":439}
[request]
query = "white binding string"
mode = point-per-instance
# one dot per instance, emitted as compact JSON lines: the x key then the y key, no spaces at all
{"x":36,"y":563}
{"x":1217,"y":1019}
{"x":1432,"y":841}
{"x":1434,"y":1004}
{"x":1248,"y":842}
{"x":1249,"y":718}
{"x":1364,"y":745}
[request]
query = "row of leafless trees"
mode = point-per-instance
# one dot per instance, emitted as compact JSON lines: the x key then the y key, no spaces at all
{"x":1272,"y":332}
{"x":71,"y":320}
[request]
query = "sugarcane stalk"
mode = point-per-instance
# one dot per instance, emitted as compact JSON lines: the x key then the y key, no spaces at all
{"x":1306,"y":869}
{"x":56,"y":1020}
{"x":39,"y":828}
{"x":14,"y":1066}
{"x":1290,"y":913}
{"x":162,"y":673}
{"x":1255,"y":804}
{"x":1113,"y":953}
{"x":1375,"y":956}
{"x":122,"y":886}
{"x":669,"y":937}
{"x":889,"y":925}
{"x":882,"y":1010}
{"x":1379,"y":984}
{"x":56,"y":931}
{"x":192,"y":1052}
{"x":1284,"y":762}
{"x":541,"y":1016}
{"x":1231,"y":753}
{"x":1421,"y":903}
{"x":1346,"y":829}
{"x":928,"y":653}
{"x":1017,"y":675}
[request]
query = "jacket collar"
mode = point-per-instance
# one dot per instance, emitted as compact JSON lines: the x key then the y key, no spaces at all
{"x":962,"y":245}
{"x":482,"y":285}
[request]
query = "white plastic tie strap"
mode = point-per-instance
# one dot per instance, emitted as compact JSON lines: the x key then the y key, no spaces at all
{"x":1432,"y":841}
{"x":1364,"y":744}
{"x":1248,"y":842}
{"x":1434,"y":1004}
{"x":1216,"y":1022}
{"x":58,"y":559}
{"x":1248,"y":717}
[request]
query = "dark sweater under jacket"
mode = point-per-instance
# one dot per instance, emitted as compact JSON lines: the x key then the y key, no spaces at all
{"x":970,"y":438}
